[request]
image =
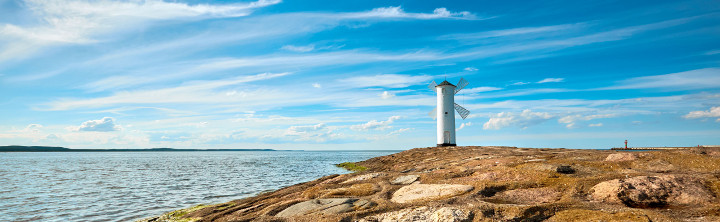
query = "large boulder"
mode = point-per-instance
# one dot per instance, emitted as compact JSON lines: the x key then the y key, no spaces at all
{"x":652,"y":191}
{"x":422,"y":214}
{"x":325,"y":206}
{"x":407,"y":179}
{"x":423,"y":192}
{"x":622,"y":156}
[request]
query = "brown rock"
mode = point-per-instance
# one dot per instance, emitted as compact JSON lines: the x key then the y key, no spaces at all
{"x":325,"y":206}
{"x":622,"y":156}
{"x":530,"y":196}
{"x":407,"y":179}
{"x":424,"y":192}
{"x":363,"y":177}
{"x":652,"y":191}
{"x":591,"y":215}
{"x":422,"y":214}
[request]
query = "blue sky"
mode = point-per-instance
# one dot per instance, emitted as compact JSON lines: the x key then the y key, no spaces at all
{"x":336,"y":75}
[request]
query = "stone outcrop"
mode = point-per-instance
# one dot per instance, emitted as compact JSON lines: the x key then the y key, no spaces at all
{"x":426,"y":192}
{"x":493,"y":184}
{"x":422,"y":214}
{"x":404,"y":180}
{"x":652,"y":191}
{"x":324,"y":206}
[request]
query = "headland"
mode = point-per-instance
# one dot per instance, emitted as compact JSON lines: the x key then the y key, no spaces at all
{"x":494,"y":184}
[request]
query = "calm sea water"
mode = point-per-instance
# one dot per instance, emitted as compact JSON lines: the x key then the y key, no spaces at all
{"x":126,"y":186}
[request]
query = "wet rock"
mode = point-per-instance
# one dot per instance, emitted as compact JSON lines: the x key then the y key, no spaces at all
{"x":422,"y":214}
{"x":652,"y":191}
{"x":424,"y":192}
{"x":364,"y":177}
{"x":622,"y":156}
{"x":407,"y":179}
{"x":565,"y":170}
{"x":325,"y":206}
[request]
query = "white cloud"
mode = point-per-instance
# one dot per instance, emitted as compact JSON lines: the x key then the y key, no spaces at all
{"x":196,"y":92}
{"x":398,"y":12}
{"x":707,"y":78}
{"x":81,"y":22}
{"x":33,"y":128}
{"x":386,"y":80}
{"x":470,"y":69}
{"x":386,"y":95}
{"x":480,"y":89}
{"x":375,"y":125}
{"x":464,"y":125}
{"x":595,"y":125}
{"x":399,"y":131}
{"x":522,"y":120}
{"x":519,"y":83}
{"x":713,"y":112}
{"x":510,"y":32}
{"x":313,"y":133}
{"x":571,"y":120}
{"x":316,"y":85}
{"x":712,"y":52}
{"x":547,"y":80}
{"x":293,"y":48}
{"x":106,"y":124}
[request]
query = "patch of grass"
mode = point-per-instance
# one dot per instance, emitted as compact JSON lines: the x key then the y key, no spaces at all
{"x":351,"y":166}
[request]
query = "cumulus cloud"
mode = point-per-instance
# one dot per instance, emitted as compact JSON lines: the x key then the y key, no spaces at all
{"x":522,"y":120}
{"x":375,"y":125}
{"x":464,"y":125}
{"x":33,"y":128}
{"x":106,"y":124}
{"x":470,"y":69}
{"x":293,"y":48}
{"x":316,"y":85}
{"x":547,"y":80}
{"x":386,"y":95}
{"x":396,"y":132}
{"x":712,"y":113}
{"x":398,"y":12}
{"x":386,"y":80}
{"x":595,"y":125}
{"x":571,"y":120}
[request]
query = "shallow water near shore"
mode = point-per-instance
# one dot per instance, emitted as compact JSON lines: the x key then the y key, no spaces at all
{"x":125,"y":186}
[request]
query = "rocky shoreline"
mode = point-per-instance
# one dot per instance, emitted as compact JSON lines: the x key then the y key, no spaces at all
{"x":494,"y":184}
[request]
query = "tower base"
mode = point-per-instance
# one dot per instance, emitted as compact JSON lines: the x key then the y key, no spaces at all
{"x":446,"y":144}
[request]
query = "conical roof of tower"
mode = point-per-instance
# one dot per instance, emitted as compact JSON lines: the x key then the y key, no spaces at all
{"x":445,"y":83}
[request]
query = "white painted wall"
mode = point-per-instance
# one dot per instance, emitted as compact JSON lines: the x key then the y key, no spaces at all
{"x":445,"y":114}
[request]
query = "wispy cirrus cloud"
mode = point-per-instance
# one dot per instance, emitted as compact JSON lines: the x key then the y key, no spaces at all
{"x":83,"y":22}
{"x":398,"y":12}
{"x":707,"y":78}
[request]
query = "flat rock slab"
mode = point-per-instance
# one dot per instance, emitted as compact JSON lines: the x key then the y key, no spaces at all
{"x":421,"y":214}
{"x":363,"y":177}
{"x":325,"y":206}
{"x":652,"y":191}
{"x":422,"y":192}
{"x":623,"y":156}
{"x":407,"y":179}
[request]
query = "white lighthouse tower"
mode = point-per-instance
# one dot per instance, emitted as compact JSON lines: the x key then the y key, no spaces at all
{"x":444,"y":112}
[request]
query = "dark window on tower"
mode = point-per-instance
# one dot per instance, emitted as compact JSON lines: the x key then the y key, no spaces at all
{"x":445,"y":112}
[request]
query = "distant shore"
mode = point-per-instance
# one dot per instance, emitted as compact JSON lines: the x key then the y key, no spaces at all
{"x":15,"y":148}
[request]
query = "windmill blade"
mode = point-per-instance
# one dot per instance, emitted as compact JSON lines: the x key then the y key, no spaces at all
{"x":461,"y":84}
{"x":462,"y":111}
{"x":433,"y":113}
{"x":432,"y":86}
